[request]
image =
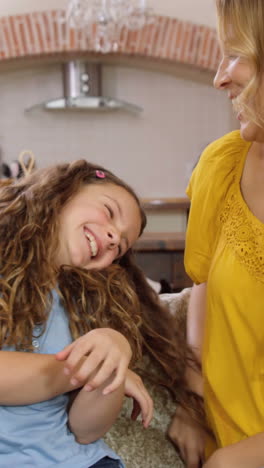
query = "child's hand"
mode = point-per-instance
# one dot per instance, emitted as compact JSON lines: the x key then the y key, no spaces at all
{"x":142,"y":403}
{"x":101,"y":352}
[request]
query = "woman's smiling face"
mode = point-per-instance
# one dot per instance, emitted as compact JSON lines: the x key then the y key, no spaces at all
{"x":98,"y":225}
{"x":233,"y":75}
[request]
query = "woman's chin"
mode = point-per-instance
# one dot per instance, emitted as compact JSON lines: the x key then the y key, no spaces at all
{"x":251,"y":132}
{"x":248,"y":131}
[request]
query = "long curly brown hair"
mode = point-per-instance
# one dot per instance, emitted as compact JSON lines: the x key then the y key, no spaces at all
{"x":118,"y":296}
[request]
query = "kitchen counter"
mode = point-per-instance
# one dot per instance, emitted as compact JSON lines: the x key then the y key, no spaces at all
{"x":160,"y":241}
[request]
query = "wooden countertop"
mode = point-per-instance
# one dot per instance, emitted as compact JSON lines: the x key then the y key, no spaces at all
{"x":166,"y":204}
{"x":160,"y":241}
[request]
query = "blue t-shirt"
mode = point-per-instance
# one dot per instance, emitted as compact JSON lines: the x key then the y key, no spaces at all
{"x":37,"y":435}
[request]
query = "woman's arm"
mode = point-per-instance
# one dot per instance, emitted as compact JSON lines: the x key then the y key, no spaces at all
{"x":185,"y":433}
{"x":195,"y":333}
{"x":249,"y":453}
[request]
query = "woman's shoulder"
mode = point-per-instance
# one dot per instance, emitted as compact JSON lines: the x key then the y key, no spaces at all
{"x":218,"y":164}
{"x":209,"y":186}
{"x":225,"y":151}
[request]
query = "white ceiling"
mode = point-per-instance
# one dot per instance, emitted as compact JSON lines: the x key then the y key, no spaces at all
{"x":196,"y":11}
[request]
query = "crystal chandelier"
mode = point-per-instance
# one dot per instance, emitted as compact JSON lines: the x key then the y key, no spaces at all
{"x":103,"y":20}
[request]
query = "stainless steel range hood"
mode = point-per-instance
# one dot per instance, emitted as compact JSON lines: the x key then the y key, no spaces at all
{"x":82,"y":90}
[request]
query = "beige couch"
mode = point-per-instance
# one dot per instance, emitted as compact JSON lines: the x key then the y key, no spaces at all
{"x":150,"y":448}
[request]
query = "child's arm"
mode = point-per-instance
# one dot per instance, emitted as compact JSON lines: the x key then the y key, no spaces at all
{"x":92,"y":413}
{"x":249,"y":453}
{"x":28,"y":378}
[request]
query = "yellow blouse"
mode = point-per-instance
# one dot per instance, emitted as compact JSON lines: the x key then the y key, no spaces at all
{"x":225,"y":248}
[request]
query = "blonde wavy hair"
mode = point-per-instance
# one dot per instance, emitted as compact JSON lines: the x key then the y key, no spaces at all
{"x":240,"y":27}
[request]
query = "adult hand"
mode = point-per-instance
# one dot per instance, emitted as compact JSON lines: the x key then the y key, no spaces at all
{"x":102,"y":352}
{"x":188,"y":437}
{"x":142,"y":402}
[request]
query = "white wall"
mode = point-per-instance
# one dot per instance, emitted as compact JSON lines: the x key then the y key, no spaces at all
{"x":197,"y":11}
{"x":154,"y":151}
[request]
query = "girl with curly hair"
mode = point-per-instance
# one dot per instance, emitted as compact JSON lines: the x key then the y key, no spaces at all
{"x":75,"y":313}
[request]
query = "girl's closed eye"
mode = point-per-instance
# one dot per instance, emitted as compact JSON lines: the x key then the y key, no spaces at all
{"x":110,"y":211}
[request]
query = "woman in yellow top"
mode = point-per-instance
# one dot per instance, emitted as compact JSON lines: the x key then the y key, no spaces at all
{"x":225,"y":259}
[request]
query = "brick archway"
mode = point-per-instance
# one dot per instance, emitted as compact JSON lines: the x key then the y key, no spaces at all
{"x":44,"y":35}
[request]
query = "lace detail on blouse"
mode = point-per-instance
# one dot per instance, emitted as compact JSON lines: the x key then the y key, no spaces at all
{"x":245,"y":235}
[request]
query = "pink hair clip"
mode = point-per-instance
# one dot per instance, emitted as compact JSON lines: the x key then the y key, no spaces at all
{"x":100,"y":174}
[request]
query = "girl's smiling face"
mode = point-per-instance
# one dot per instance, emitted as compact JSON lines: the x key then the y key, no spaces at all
{"x":97,"y":226}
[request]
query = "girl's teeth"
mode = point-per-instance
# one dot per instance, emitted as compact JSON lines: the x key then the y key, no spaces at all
{"x":93,"y":248}
{"x":93,"y":244}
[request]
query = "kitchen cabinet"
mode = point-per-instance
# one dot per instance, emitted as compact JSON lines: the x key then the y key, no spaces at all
{"x":161,"y":254}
